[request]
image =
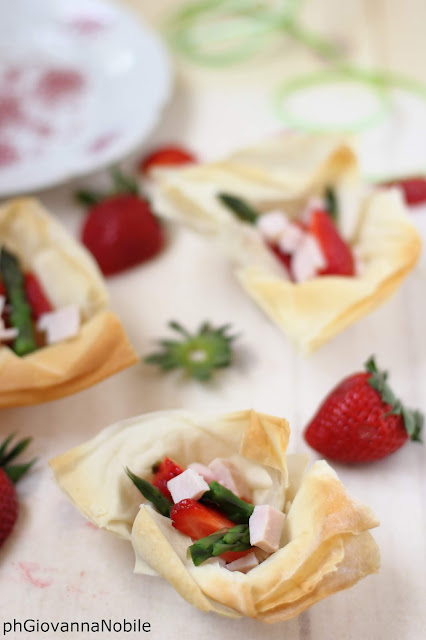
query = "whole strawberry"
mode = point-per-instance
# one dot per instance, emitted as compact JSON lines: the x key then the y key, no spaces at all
{"x":361,"y":420}
{"x":120,"y":229}
{"x":9,"y":476}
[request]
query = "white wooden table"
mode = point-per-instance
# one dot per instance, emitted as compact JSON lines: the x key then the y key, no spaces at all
{"x":58,"y":568}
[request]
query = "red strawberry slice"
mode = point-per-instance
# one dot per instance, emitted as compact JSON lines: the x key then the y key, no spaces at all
{"x":166,"y":156}
{"x":121,"y":232}
{"x":284,"y":258}
{"x":36,"y":296}
{"x":336,"y":251}
{"x":414,"y":189}
{"x":361,"y":420}
{"x":2,"y":289}
{"x":197,"y":521}
{"x":230,"y":556}
{"x":167,"y":470}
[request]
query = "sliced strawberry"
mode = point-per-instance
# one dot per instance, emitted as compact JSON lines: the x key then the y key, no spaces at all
{"x":414,"y":189}
{"x":2,"y":289}
{"x":167,"y":470}
{"x":337,"y":252}
{"x":196,"y":520}
{"x":230,"y":556}
{"x":285,"y":258}
{"x":166,"y":156}
{"x":36,"y":296}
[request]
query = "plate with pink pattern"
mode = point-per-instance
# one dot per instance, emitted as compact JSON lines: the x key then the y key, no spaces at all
{"x":82,"y":83}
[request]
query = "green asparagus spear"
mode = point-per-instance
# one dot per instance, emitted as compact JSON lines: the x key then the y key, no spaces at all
{"x":20,"y":316}
{"x":235,"y":539}
{"x":151,"y":493}
{"x":241,"y":208}
{"x":231,"y":505}
{"x":331,"y":203}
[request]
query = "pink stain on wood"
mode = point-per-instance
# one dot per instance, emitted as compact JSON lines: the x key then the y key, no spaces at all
{"x":73,"y":589}
{"x":35,"y":575}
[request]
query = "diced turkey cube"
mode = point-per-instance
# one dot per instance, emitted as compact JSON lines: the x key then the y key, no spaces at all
{"x":225,"y":472}
{"x":243,"y":564}
{"x":203,"y":471}
{"x":272,"y":225}
{"x":7,"y":334}
{"x":314,"y":203}
{"x":260,"y":554}
{"x":60,"y":324}
{"x":265,"y":526}
{"x":188,"y":484}
{"x":290,"y":238}
{"x":307,"y":259}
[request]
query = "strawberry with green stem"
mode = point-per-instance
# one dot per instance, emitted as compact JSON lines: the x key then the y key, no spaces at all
{"x":198,"y":354}
{"x":362,"y":420}
{"x":120,"y":229}
{"x":10,"y":473}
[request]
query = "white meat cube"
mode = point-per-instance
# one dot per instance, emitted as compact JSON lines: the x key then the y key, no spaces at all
{"x":60,"y":324}
{"x":265,"y":526}
{"x":272,"y":225}
{"x":203,"y":471}
{"x":315,"y":203}
{"x":243,"y":564}
{"x":225,"y":472}
{"x":188,"y":484}
{"x":307,"y":259}
{"x":290,"y":238}
{"x":8,"y":334}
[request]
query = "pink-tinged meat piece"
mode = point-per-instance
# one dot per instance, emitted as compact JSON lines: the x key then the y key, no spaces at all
{"x":243,"y":564}
{"x":60,"y":324}
{"x":272,"y":225}
{"x":260,"y":554}
{"x":227,"y":473}
{"x":291,"y":238}
{"x":187,"y":485}
{"x":203,"y":471}
{"x":307,"y":259}
{"x":266,"y":525}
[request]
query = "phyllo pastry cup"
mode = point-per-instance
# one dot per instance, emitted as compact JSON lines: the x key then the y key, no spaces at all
{"x":69,"y":276}
{"x":325,"y":546}
{"x":285,"y":174}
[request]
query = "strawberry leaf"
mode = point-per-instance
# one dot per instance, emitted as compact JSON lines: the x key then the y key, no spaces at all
{"x":123,"y":183}
{"x":8,"y":454}
{"x":198,"y":354}
{"x":331,"y":203}
{"x":239,"y":207}
{"x":88,"y":198}
{"x":412,"y":418}
{"x":16,"y":471}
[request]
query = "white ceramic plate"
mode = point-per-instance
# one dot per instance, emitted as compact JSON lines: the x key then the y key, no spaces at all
{"x":82,"y":83}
